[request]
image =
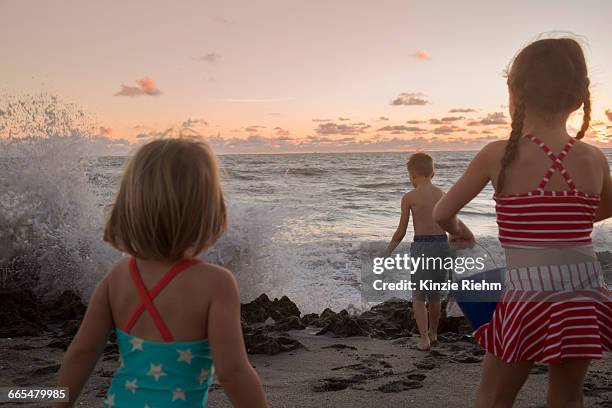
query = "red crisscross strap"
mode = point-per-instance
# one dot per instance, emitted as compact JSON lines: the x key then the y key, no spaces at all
{"x":146,"y":297}
{"x":557,"y":162}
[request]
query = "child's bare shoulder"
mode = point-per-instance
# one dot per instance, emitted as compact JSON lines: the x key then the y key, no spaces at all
{"x":118,"y":268}
{"x":211,"y":276}
{"x":588,"y":150}
{"x":438,"y":190}
{"x":409,"y":197}
{"x":494,"y":150}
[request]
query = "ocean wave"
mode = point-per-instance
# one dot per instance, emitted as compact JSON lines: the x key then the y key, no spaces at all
{"x":305,"y":172}
{"x":381,"y":185}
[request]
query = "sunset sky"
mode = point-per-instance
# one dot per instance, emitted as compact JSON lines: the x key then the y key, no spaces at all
{"x":285,"y":76}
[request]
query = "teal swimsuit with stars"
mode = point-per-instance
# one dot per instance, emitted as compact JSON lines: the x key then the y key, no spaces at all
{"x":154,"y":374}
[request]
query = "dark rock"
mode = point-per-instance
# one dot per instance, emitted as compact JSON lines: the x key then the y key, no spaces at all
{"x":345,"y":326}
{"x":307,"y":319}
{"x":255,"y":311}
{"x":21,"y":314}
{"x":262,"y":308}
{"x":261,"y":341}
{"x":327,"y":314}
{"x":289,"y":323}
{"x":67,"y":306}
{"x":388,"y":320}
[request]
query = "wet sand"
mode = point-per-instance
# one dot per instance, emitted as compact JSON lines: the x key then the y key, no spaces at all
{"x":329,"y":372}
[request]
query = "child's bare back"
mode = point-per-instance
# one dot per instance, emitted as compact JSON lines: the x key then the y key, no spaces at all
{"x":421,"y":202}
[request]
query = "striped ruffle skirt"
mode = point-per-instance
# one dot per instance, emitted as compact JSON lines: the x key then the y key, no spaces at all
{"x":549,"y":314}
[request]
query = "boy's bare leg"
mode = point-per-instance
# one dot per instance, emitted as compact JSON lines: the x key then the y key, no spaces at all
{"x":435,"y":309}
{"x":420,"y":315}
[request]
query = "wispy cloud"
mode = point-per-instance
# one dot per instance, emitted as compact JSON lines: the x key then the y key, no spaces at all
{"x":254,"y":128}
{"x":410,"y":99}
{"x":331,"y":128}
{"x":343,"y":118}
{"x":462,"y":110}
{"x":446,"y":119}
{"x":279,"y":131}
{"x":401,"y":129}
{"x":151,"y":134}
{"x":421,"y":55}
{"x":146,"y":86}
{"x":192,"y":123}
{"x":495,"y":118}
{"x":210,"y":58}
{"x":382,"y":119}
{"x":321,"y":120}
{"x":445,"y":130}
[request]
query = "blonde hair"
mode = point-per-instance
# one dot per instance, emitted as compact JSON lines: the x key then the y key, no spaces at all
{"x":169,"y":202}
{"x":421,"y":163}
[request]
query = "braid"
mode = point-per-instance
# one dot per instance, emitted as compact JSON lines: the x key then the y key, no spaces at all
{"x":512,"y":146}
{"x":586,"y":118}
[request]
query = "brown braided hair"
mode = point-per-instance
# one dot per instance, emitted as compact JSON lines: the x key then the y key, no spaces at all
{"x":549,"y":77}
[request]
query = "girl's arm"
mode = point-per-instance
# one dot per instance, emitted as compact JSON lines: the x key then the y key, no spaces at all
{"x":471,"y":183}
{"x":235,"y":373}
{"x":400,"y":232}
{"x":87,"y":345}
{"x":604,"y":211}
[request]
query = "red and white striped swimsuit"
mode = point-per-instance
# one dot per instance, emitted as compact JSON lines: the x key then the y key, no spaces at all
{"x":553,"y":312}
{"x":547,"y":218}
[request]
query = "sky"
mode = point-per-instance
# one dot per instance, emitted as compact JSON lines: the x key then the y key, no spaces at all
{"x":295,"y":76}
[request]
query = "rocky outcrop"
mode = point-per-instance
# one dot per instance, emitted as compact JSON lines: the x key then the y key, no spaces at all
{"x":265,"y":322}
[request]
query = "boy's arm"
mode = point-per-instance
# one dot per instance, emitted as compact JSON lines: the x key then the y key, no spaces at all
{"x":400,"y":232}
{"x":462,"y":192}
{"x":87,"y":345}
{"x":238,"y":378}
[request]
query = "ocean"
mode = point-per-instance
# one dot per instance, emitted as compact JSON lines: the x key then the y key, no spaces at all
{"x":300,"y":224}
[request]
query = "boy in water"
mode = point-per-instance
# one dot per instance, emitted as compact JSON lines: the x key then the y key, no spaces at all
{"x":430,"y":241}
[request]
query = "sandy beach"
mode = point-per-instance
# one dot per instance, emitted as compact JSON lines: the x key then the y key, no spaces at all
{"x":312,"y":366}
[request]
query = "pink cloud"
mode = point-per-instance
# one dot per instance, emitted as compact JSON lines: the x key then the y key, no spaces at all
{"x":105,"y":131}
{"x":421,"y":55}
{"x":146,"y":86}
{"x":278,"y":131}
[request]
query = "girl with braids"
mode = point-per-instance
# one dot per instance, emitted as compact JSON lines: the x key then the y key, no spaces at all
{"x":549,"y":190}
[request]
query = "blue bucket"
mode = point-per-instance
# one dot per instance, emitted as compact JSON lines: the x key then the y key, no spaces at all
{"x":478,"y":305}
